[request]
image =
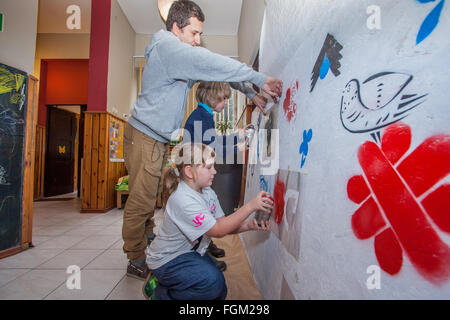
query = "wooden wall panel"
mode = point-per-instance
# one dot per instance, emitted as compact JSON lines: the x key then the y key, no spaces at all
{"x":99,"y":174}
{"x":39,"y":162}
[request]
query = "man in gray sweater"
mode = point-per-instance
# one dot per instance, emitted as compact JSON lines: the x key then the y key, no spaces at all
{"x":175,"y":61}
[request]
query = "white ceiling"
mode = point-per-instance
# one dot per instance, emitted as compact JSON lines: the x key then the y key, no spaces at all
{"x":221,"y":16}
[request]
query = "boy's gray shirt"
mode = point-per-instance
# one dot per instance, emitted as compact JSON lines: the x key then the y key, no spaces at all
{"x":188,"y":215}
{"x":172,"y":69}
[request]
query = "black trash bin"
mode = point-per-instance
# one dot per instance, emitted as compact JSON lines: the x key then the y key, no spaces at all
{"x":227,"y":185}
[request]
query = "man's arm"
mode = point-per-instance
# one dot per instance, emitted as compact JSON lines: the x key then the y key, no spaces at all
{"x":186,"y":62}
{"x":257,"y":98}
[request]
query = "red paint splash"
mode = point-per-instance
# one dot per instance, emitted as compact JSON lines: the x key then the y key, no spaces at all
{"x":289,"y":106}
{"x":279,"y":201}
{"x":408,"y":228}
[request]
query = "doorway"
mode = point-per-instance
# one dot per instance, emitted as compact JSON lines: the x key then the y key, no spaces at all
{"x":62,"y":152}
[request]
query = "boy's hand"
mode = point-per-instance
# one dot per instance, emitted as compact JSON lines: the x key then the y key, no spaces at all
{"x":242,"y":146}
{"x":253,"y":225}
{"x":274,"y":87}
{"x":262,"y":202}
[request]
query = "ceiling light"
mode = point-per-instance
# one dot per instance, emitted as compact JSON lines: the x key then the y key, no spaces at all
{"x":164,"y":6}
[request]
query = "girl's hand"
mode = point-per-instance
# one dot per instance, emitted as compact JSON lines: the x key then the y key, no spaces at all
{"x":253,"y":225}
{"x":262,"y":202}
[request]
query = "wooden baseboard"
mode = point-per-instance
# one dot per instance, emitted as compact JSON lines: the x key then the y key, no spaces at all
{"x":10,"y":252}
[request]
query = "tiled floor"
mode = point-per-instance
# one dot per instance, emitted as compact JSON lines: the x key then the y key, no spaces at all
{"x":63,"y":237}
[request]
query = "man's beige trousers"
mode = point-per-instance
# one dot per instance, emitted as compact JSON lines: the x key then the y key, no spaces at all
{"x":144,"y":159}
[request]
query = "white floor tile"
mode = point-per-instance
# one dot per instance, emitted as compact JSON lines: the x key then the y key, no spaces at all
{"x":37,"y":240}
{"x":29,"y":259}
{"x":51,"y":230}
{"x":65,"y":241}
{"x":34,"y":285}
{"x":97,"y":242}
{"x":110,"y":259}
{"x":71,"y":257}
{"x":111,"y":230}
{"x":128,"y":289}
{"x":118,"y":245}
{"x":95,"y":285}
{"x":7,"y":275}
{"x":85,"y":230}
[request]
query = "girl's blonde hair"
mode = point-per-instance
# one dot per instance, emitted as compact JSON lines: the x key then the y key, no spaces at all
{"x":211,"y":93}
{"x":187,"y":154}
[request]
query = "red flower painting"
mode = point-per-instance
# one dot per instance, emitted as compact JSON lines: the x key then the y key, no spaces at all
{"x":403,"y":203}
{"x":289,"y":106}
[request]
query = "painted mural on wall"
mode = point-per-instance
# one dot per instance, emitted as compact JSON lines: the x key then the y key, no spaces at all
{"x":377,"y":102}
{"x":368,"y":149}
{"x":289,"y":105}
{"x":394,"y":212}
{"x":328,"y":60}
{"x":13,"y":86}
{"x":430,"y":22}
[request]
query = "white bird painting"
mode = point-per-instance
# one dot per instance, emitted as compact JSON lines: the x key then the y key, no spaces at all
{"x":378,"y":102}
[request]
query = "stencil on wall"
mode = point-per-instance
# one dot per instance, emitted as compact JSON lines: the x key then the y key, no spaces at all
{"x":269,"y":125}
{"x":289,"y":105}
{"x":377,"y":102}
{"x":402,"y":197}
{"x":328,"y":60}
{"x":286,"y":216}
{"x":430,"y":22}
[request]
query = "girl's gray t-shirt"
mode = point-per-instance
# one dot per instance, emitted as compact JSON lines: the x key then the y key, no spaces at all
{"x":188,"y":215}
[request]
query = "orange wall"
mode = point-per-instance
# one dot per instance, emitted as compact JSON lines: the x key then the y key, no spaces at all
{"x":67,"y":82}
{"x":63,"y":81}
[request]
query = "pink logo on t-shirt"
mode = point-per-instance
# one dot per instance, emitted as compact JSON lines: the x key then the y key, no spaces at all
{"x":212,"y":209}
{"x":197,"y":219}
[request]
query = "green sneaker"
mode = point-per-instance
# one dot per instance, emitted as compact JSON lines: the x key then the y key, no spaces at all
{"x":150,"y":284}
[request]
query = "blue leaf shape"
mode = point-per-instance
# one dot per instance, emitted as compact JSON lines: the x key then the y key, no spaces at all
{"x":426,"y":1}
{"x":429,"y":23}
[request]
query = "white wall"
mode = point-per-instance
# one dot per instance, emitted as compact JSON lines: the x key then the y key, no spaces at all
{"x":121,"y":73}
{"x":18,"y":40}
{"x":252,"y":14}
{"x":316,"y":252}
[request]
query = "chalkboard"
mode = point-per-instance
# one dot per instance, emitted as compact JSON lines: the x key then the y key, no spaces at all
{"x":13,"y":94}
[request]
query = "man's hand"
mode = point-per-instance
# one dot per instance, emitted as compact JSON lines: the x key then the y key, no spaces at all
{"x":274,"y":87}
{"x":260,"y":101}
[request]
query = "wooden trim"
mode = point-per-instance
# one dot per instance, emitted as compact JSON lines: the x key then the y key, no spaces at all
{"x":94,"y":159}
{"x":102,"y":172}
{"x":29,"y":158}
{"x":10,"y":252}
{"x":96,"y":112}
